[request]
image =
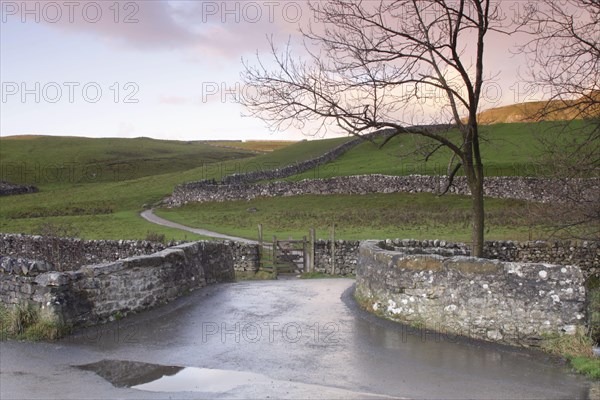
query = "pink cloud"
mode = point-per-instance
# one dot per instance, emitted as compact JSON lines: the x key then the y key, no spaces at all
{"x":215,"y":27}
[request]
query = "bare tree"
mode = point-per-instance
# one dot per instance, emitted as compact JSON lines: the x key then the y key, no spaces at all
{"x":564,"y":63}
{"x":368,"y":67}
{"x":564,"y":56}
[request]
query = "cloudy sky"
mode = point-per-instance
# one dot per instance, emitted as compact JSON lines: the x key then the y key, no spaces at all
{"x":163,"y":69}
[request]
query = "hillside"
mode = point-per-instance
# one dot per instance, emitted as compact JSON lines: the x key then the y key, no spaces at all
{"x":54,"y":159}
{"x":507,"y":150}
{"x":536,"y":111}
{"x":253,"y":145}
{"x":109,"y":209}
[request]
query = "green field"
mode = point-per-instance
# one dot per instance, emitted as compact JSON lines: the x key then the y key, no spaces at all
{"x":372,"y":216}
{"x":108,"y":206}
{"x":110,"y":209}
{"x":262,"y":146}
{"x":507,"y":150}
{"x":40,"y":160}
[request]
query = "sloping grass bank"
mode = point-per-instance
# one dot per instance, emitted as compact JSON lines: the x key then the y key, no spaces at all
{"x":507,"y":150}
{"x":109,"y":210}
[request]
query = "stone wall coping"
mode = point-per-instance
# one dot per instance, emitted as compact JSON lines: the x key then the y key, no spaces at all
{"x":171,"y":254}
{"x":459,"y":263}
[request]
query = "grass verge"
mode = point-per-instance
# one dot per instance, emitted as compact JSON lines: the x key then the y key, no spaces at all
{"x":586,"y":366}
{"x":24,"y":322}
{"x":577,"y":349}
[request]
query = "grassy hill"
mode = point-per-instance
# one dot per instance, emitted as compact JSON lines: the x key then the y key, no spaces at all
{"x":253,"y":145}
{"x":109,"y":209}
{"x":536,"y":111}
{"x":507,"y":150}
{"x":525,"y":112}
{"x":52,"y":159}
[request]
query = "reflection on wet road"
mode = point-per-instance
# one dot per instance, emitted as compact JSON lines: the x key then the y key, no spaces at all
{"x":171,"y":379}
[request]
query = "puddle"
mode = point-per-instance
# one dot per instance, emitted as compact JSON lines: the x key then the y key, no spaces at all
{"x":164,"y":378}
{"x":192,"y":379}
{"x":130,"y":373}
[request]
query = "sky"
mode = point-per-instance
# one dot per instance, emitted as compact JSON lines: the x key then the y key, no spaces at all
{"x":161,"y":69}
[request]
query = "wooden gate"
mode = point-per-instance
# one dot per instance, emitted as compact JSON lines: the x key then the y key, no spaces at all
{"x":289,"y":255}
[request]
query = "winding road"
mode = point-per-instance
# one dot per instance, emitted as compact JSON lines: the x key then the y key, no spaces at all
{"x":149,"y":216}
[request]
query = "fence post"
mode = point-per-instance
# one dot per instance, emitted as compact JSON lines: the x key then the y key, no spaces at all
{"x":304,"y":258}
{"x":332,"y":238}
{"x":260,"y":246}
{"x":275,"y":254}
{"x":311,"y":250}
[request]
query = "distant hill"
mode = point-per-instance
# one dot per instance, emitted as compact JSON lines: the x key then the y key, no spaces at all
{"x":38,"y":159}
{"x":261,"y":146}
{"x":535,"y":111}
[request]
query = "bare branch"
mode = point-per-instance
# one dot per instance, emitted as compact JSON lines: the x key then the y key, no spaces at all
{"x":369,"y":65}
{"x":451,"y":179}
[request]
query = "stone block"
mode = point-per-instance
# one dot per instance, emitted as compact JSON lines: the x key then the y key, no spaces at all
{"x":52,"y":279}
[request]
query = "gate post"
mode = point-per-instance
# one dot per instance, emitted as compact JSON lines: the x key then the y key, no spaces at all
{"x":260,"y":246}
{"x":304,"y":256}
{"x":275,"y":254}
{"x":311,"y":250}
{"x":333,"y":249}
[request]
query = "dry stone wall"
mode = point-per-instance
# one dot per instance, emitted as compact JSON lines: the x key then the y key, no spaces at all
{"x":292,"y":169}
{"x":288,"y":170}
{"x":344,"y":260}
{"x":514,"y":303}
{"x":83,"y":282}
{"x":95,"y":293}
{"x":512,"y":187}
{"x":9,"y":189}
{"x":246,"y":257}
{"x":70,"y":253}
{"x":585,"y":255}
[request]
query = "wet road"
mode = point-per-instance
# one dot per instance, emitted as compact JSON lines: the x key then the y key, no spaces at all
{"x":275,"y":339}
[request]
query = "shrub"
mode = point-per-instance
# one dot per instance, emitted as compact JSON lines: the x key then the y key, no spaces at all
{"x":22,"y":317}
{"x":594,"y":308}
{"x":155,"y":237}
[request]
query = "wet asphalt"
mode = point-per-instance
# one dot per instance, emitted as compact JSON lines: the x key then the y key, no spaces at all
{"x":297,"y":338}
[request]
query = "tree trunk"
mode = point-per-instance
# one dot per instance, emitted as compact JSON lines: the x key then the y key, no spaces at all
{"x":477,"y":216}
